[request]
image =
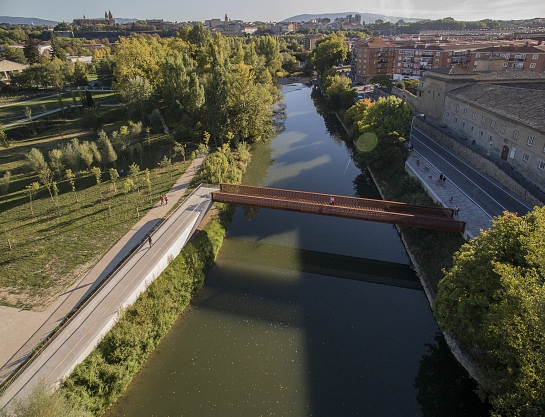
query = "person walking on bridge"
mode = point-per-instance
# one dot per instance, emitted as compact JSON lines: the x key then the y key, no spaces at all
{"x":150,"y":243}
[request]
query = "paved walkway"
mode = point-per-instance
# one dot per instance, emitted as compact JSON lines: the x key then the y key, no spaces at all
{"x":21,"y":331}
{"x":98,"y":315}
{"x":428,"y":175}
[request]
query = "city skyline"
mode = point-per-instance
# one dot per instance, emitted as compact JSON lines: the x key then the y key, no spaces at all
{"x":261,"y":10}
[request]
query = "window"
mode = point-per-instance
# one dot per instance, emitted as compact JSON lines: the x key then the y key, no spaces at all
{"x":472,"y":128}
{"x":437,"y":61}
{"x":474,"y":116}
{"x":463,"y":123}
{"x":483,"y":120}
{"x":534,"y":56}
{"x":530,"y":141}
{"x":450,"y":105}
{"x":525,"y":157}
{"x":481,"y":133}
{"x":448,"y":114}
{"x":533,"y":65}
{"x":455,"y":120}
{"x":465,"y":112}
{"x":515,"y":134}
{"x":475,"y":63}
{"x":512,"y":153}
{"x":505,"y":64}
{"x":541,"y":165}
{"x":448,"y":59}
{"x":457,"y":107}
{"x":477,"y":55}
{"x":438,"y":54}
{"x":502,"y":129}
{"x":493,"y":124}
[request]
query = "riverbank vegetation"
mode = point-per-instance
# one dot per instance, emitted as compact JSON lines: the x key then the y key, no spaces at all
{"x":493,"y":301}
{"x":99,"y":380}
{"x":489,"y":291}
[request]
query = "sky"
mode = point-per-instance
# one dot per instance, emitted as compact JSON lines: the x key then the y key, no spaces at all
{"x":270,"y":11}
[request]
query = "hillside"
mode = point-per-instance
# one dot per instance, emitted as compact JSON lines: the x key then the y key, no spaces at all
{"x":365,"y":17}
{"x":26,"y":21}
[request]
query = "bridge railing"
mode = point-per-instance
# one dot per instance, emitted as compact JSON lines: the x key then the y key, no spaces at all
{"x":343,"y":201}
{"x":323,"y":208}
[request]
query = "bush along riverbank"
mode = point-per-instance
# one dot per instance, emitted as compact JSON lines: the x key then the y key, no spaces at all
{"x":103,"y":376}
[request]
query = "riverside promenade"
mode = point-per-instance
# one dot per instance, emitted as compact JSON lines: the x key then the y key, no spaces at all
{"x":83,"y":331}
{"x":478,"y":197}
{"x":21,"y":330}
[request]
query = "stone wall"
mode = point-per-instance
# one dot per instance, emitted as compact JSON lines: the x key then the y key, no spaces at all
{"x":482,"y":164}
{"x":406,"y":96}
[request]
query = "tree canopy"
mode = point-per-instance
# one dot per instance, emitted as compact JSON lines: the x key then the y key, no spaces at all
{"x":493,"y":301}
{"x":329,"y":51}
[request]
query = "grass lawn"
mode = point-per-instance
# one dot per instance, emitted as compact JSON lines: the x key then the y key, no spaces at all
{"x":16,"y":111}
{"x":57,"y":244}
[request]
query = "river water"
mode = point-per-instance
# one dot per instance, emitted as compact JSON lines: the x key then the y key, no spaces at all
{"x":304,"y":315}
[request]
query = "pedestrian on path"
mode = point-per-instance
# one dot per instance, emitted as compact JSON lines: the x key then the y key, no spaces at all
{"x":162,"y":199}
{"x":441,"y":177}
{"x":456,"y":210}
{"x":166,"y":200}
{"x":149,"y":241}
{"x":451,"y":198}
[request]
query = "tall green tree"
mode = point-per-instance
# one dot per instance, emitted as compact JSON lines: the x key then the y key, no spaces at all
{"x":493,"y":301}
{"x":217,"y":94}
{"x":30,"y":49}
{"x":56,"y":50}
{"x":80,"y":74}
{"x":56,"y":161}
{"x":35,"y":161}
{"x":329,"y":51}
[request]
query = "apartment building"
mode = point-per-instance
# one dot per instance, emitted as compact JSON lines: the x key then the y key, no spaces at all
{"x":512,"y":57}
{"x":413,"y":60}
{"x":310,"y":41}
{"x":372,"y":57}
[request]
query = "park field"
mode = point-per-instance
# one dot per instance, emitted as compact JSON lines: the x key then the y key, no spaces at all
{"x":47,"y":245}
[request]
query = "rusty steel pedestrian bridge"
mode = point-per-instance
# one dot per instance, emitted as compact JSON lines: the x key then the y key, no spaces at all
{"x":392,"y":212}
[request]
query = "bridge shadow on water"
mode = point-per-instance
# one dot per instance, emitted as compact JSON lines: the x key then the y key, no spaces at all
{"x":348,"y":352}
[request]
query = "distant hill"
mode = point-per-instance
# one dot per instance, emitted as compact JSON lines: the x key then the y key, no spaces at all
{"x":365,"y":17}
{"x":26,"y":21}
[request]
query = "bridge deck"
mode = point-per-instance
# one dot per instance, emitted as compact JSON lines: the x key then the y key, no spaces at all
{"x":348,"y":207}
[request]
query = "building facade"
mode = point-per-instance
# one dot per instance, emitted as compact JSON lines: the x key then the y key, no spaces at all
{"x":372,"y":57}
{"x":502,"y":112}
{"x":512,"y":57}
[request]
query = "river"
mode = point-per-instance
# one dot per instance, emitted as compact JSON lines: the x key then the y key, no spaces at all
{"x":304,"y":315}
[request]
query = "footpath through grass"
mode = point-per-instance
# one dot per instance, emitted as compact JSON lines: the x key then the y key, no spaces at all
{"x":16,"y":111}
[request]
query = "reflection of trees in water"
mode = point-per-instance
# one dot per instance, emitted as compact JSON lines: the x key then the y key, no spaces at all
{"x":332,"y":124}
{"x":280,"y":114}
{"x":365,"y":187}
{"x":250,"y":212}
{"x":444,"y":387}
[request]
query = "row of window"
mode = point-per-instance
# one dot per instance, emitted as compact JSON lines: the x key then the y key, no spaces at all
{"x":517,"y":56}
{"x":540,"y":164}
{"x":529,"y":141}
